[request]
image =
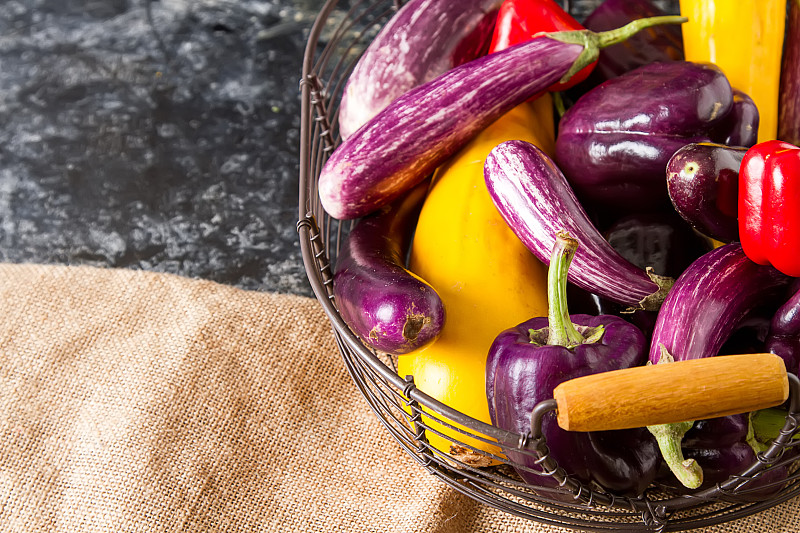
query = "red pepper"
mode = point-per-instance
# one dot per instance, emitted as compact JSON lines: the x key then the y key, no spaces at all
{"x":769,"y":205}
{"x":519,"y":20}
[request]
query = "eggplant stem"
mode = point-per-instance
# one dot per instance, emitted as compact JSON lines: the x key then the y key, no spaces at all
{"x":669,"y":437}
{"x":594,"y":41}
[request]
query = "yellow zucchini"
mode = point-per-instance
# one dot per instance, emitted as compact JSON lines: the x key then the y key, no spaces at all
{"x":745,"y":39}
{"x":485,"y":276}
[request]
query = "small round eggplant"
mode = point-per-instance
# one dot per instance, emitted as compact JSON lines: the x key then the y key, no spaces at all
{"x":389,"y":307}
{"x":703,"y":184}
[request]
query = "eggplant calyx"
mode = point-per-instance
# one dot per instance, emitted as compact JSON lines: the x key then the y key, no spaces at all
{"x":560,"y":330}
{"x":653,"y":301}
{"x":592,"y":42}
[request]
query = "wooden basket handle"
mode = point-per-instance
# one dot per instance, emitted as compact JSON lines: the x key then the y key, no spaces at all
{"x":672,"y":392}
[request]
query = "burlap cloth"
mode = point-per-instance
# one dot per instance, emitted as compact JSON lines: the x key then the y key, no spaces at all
{"x":142,"y":402}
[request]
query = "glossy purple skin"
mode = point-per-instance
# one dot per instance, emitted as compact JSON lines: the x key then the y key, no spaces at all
{"x":387,"y":306}
{"x":424,"y":39}
{"x":709,"y":300}
{"x":658,"y":44}
{"x":703,"y":186}
{"x":783,"y":338}
{"x":535,"y":200}
{"x":521,"y":374}
{"x":405,"y":142}
{"x":615,"y":141}
{"x":740,"y":127}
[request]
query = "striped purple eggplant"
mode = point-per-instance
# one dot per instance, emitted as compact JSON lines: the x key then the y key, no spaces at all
{"x":421,"y":129}
{"x":424,"y":39}
{"x":391,"y":309}
{"x":536,"y":201}
{"x":709,"y":300}
{"x":706,"y":304}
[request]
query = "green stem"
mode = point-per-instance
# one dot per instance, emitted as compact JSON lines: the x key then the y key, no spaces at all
{"x":592,"y":42}
{"x":670,"y":437}
{"x":561,"y":330}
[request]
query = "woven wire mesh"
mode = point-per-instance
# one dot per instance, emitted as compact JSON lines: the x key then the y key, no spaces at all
{"x":341,"y":33}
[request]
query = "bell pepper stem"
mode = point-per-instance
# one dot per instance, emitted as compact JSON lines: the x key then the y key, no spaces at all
{"x":669,"y":438}
{"x":593,"y":41}
{"x":560,"y":330}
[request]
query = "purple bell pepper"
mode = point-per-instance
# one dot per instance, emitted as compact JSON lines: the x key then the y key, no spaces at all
{"x":527,"y":362}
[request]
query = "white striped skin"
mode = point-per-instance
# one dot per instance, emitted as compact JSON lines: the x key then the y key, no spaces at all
{"x":709,"y":300}
{"x":417,"y":44}
{"x":537,"y":202}
{"x":406,"y":141}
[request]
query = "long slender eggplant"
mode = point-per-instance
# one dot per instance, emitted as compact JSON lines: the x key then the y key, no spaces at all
{"x":424,"y":39}
{"x":703,"y":185}
{"x":536,"y":201}
{"x":390,"y":308}
{"x":789,"y":97}
{"x":706,"y":304}
{"x":421,"y":129}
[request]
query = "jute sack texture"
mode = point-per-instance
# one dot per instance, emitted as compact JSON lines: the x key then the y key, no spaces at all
{"x":133,"y":401}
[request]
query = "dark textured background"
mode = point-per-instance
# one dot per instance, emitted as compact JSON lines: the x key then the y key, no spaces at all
{"x":158,"y":135}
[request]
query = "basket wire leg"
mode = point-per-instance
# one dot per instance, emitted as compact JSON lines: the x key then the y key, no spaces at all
{"x":419,"y":428}
{"x":317,"y":94}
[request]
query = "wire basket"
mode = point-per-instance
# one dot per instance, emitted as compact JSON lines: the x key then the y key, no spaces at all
{"x":340,"y":34}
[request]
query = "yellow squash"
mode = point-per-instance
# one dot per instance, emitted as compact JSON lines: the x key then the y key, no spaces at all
{"x":745,"y":39}
{"x":485,"y":276}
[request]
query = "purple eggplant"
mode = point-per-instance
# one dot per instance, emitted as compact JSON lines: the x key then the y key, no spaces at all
{"x":421,"y":129}
{"x":703,"y":185}
{"x":526,"y":362}
{"x":390,"y":308}
{"x":424,"y":39}
{"x":706,"y":304}
{"x":659,"y":44}
{"x":789,"y":96}
{"x":614,"y":143}
{"x":783,"y":337}
{"x":535,"y":200}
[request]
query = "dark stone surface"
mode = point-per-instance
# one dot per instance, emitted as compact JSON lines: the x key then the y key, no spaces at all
{"x":154,"y":135}
{"x":157,"y":135}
